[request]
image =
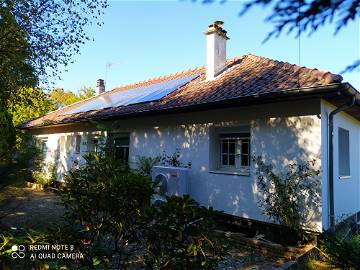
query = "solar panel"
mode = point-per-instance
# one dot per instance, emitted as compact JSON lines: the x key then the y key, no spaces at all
{"x":142,"y":94}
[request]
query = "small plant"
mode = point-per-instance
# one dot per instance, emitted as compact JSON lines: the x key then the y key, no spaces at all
{"x":179,"y":234}
{"x":46,"y":175}
{"x":343,"y":253}
{"x":145,"y":164}
{"x":173,"y":160}
{"x":285,"y":195}
{"x":342,"y":248}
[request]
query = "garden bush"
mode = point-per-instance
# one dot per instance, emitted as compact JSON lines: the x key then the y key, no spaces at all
{"x":106,"y":199}
{"x":286,"y":194}
{"x":179,"y":234}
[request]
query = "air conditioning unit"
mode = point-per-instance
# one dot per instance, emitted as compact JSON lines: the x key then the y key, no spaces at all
{"x":171,"y":181}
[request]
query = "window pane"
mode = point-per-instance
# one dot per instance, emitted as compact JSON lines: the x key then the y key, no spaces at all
{"x":225,"y":147}
{"x":231,"y":160}
{"x":122,"y":153}
{"x":224,"y":160}
{"x":232,"y":147}
{"x":121,"y":141}
{"x":244,"y":160}
{"x":234,"y":150}
{"x":245,"y":147}
{"x":344,"y":152}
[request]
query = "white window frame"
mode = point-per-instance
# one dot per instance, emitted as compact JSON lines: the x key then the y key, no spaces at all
{"x":239,"y":140}
{"x":78,"y":140}
{"x":115,"y":145}
{"x":43,"y":145}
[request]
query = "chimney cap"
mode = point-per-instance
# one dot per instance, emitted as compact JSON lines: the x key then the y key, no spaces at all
{"x":100,"y":85}
{"x":215,"y":27}
{"x":100,"y":82}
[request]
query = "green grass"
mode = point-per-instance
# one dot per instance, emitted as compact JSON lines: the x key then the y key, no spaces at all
{"x":315,"y":264}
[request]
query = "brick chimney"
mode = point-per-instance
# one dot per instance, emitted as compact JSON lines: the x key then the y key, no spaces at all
{"x":215,"y":49}
{"x":100,"y":86}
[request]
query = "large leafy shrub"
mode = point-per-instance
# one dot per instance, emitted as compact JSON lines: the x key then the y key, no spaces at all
{"x":179,"y":234}
{"x":286,"y":195}
{"x":106,"y":200}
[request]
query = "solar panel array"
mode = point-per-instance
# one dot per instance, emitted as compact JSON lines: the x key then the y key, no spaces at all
{"x":136,"y":95}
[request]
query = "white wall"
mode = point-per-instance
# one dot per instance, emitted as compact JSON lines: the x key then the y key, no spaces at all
{"x":278,"y":140}
{"x":346,"y":191}
{"x":281,"y":133}
{"x":61,"y":150}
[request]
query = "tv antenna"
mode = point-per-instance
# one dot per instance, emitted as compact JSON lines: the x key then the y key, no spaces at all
{"x":108,"y":66}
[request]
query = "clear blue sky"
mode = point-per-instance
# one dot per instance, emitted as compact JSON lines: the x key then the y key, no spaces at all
{"x":145,"y":39}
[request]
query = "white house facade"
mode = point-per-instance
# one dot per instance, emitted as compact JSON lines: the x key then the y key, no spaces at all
{"x":219,"y":118}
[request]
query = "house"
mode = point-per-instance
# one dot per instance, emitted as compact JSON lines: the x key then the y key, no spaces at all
{"x":219,"y":116}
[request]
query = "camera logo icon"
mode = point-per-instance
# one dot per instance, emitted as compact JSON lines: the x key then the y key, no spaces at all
{"x":18,"y":252}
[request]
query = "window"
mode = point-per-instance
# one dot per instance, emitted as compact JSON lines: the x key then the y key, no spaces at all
{"x":121,"y":148}
{"x":94,"y":144}
{"x":43,"y":146}
{"x":235,"y":151}
{"x":77,"y":144}
{"x":344,"y":152}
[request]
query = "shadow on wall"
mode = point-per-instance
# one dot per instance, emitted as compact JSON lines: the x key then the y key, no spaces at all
{"x":280,"y":141}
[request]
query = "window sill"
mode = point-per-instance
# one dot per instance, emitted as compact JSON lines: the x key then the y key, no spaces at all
{"x":230,"y":172}
{"x":344,"y":177}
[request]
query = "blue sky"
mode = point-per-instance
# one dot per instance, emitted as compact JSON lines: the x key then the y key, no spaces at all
{"x":145,"y":39}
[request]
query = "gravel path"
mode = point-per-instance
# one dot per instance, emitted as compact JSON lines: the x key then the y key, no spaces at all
{"x":31,"y":210}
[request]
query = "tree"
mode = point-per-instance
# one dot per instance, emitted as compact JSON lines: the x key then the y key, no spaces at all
{"x":36,"y":38}
{"x":29,"y":103}
{"x":15,"y":70}
{"x":45,"y":33}
{"x":307,"y":16}
{"x":7,"y":133}
{"x":64,"y":98}
{"x":86,"y":92}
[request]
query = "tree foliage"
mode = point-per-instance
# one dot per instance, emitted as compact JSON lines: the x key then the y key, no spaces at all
{"x":7,"y":133}
{"x":36,"y":38}
{"x":64,"y":98}
{"x":15,"y":52}
{"x":29,"y":103}
{"x":46,"y":33}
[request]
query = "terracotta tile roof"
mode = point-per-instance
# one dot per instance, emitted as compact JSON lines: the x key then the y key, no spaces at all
{"x":244,"y":76}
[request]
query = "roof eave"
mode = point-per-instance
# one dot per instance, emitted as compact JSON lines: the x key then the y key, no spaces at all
{"x":331,"y":92}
